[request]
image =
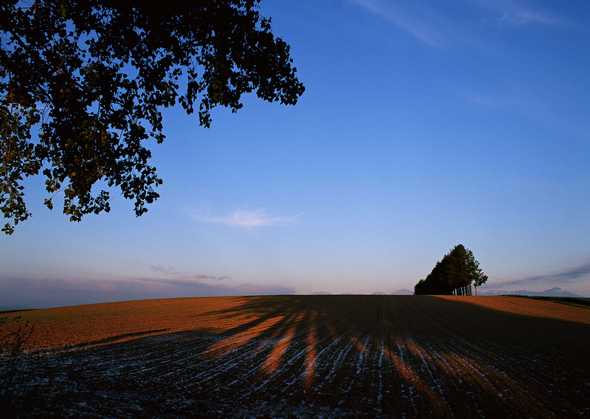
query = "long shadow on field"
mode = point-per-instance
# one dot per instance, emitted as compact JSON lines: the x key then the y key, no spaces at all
{"x":416,"y":355}
{"x":350,"y":355}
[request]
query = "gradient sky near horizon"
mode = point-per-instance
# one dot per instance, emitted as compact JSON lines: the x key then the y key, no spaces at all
{"x":423,"y":125}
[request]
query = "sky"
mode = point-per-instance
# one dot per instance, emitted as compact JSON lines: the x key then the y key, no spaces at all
{"x":423,"y":125}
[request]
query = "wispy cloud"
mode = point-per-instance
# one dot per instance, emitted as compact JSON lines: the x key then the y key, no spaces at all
{"x":417,"y":21}
{"x":203,"y":277}
{"x":171,"y":271}
{"x":161,"y":269}
{"x":435,"y":24}
{"x":570,"y":275}
{"x":530,"y":17}
{"x":248,"y":219}
{"x":519,"y":12}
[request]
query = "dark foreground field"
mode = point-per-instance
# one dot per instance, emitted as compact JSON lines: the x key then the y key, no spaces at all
{"x":368,"y":356}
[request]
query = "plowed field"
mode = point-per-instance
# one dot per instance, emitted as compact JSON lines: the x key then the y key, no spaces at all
{"x":361,"y":356}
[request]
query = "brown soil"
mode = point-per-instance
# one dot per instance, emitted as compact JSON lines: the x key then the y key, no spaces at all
{"x":92,"y":323}
{"x":355,"y":356}
{"x":529,"y":307}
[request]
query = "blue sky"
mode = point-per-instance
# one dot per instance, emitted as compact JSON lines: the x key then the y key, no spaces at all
{"x":423,"y":125}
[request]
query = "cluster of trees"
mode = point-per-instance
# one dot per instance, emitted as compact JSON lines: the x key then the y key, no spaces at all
{"x":456,"y":269}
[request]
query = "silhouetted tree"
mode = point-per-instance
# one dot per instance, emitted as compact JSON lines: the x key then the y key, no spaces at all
{"x":456,"y":269}
{"x":475,"y":272}
{"x":419,"y":288}
{"x":83,"y":83}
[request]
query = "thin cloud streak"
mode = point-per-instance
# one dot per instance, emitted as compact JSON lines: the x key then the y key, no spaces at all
{"x":529,"y":17}
{"x":404,"y":19}
{"x":171,"y":271}
{"x":248,"y":219}
{"x":433,"y":25}
{"x":161,"y":269}
{"x":210,"y":277}
{"x":578,"y":273}
{"x":519,"y":13}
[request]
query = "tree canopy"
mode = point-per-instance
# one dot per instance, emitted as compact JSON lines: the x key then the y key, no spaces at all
{"x":458,"y":268}
{"x":83,"y":84}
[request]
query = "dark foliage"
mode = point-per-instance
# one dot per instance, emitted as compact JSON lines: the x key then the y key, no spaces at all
{"x":83,"y":83}
{"x":458,"y":268}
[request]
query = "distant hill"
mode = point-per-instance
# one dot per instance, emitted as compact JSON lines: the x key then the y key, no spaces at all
{"x":395,"y":292}
{"x":552,"y":292}
{"x":403,"y":292}
{"x":8,"y":308}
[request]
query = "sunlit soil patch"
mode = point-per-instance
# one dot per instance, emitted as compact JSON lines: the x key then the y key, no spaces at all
{"x":311,"y":356}
{"x":77,"y":325}
{"x":273,"y":360}
{"x":527,"y":307}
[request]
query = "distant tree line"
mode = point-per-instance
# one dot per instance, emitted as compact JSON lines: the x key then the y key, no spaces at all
{"x":456,"y":269}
